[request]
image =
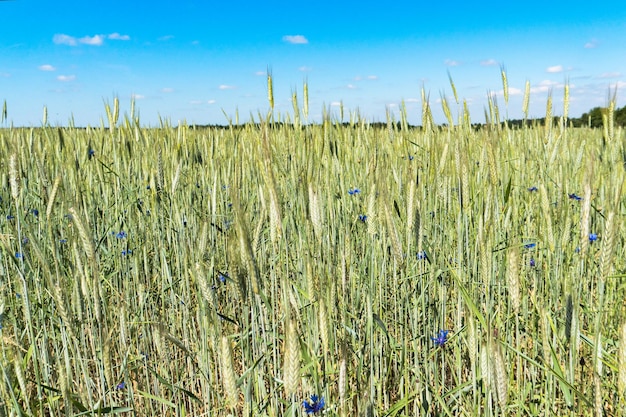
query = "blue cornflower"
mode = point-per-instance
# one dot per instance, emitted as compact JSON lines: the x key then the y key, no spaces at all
{"x":25,"y":241}
{"x":126,"y":252}
{"x":91,"y":153}
{"x":421,"y":255}
{"x":530,"y":245}
{"x":411,"y":157}
{"x":121,"y":385}
{"x":314,"y":406}
{"x":441,"y":338}
{"x":10,"y":217}
{"x":35,"y":212}
{"x":222,"y":277}
{"x":362,"y":217}
{"x":532,"y":262}
{"x":533,"y":189}
{"x":62,"y":240}
{"x":593,"y":237}
{"x":121,"y":235}
{"x":18,"y":255}
{"x":575,"y":197}
{"x":353,"y":191}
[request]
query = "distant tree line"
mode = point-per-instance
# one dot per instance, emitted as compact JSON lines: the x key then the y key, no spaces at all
{"x":592,"y":118}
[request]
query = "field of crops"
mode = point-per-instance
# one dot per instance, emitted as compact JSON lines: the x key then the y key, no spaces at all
{"x":390,"y":270}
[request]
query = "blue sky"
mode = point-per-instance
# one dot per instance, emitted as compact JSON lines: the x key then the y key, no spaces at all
{"x":200,"y":60}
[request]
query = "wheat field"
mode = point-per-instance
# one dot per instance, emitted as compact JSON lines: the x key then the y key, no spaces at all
{"x":391,"y":270}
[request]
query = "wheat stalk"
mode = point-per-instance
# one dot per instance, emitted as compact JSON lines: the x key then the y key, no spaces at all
{"x":526,"y":100}
{"x":291,"y":361}
{"x":14,"y":179}
{"x":545,"y":206}
{"x":500,"y":375}
{"x":229,"y":377}
{"x":505,"y":85}
{"x":621,"y":359}
{"x":512,"y":275}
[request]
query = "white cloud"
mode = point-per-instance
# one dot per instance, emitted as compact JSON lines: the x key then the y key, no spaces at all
{"x":116,"y":36}
{"x":226,"y":87}
{"x":166,"y":38}
{"x":137,"y":96}
{"x":554,"y":69}
{"x":336,"y":103}
{"x":369,"y":77}
{"x":260,"y":73}
{"x":66,"y":78}
{"x":591,"y":44}
{"x":512,"y":92}
{"x":211,"y":102}
{"x":489,"y":63}
{"x":452,"y":63}
{"x":167,"y":90}
{"x":545,"y":86}
{"x":305,"y":69}
{"x":295,"y":39}
{"x":46,"y":67}
{"x":62,"y":39}
{"x":610,"y":75}
{"x":413,"y":100}
{"x":95,"y":40}
{"x":351,"y":86}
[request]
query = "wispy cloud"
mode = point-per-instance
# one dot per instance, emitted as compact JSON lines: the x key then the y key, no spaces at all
{"x":116,"y":36}
{"x":62,"y":39}
{"x":369,"y":77}
{"x":5,"y":74}
{"x":513,"y":91}
{"x":489,"y":63}
{"x":95,"y":40}
{"x":591,"y":44}
{"x":166,"y":38}
{"x":66,"y":78}
{"x":167,"y":90}
{"x":46,"y":67}
{"x":545,"y":86}
{"x":555,"y":69}
{"x":295,"y":39}
{"x":137,"y":96}
{"x":610,"y":75}
{"x":226,"y":87}
{"x":452,"y":63}
{"x":305,"y":69}
{"x":351,"y":87}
